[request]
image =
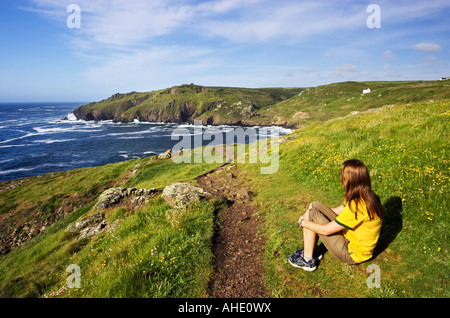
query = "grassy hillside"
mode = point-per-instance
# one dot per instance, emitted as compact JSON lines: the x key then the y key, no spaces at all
{"x":340,"y":99}
{"x":142,"y":255}
{"x":405,"y":146}
{"x":292,"y":107}
{"x":212,"y":105}
{"x":406,"y":149}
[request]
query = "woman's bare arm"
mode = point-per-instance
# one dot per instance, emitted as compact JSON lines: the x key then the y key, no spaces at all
{"x":323,"y":229}
{"x":338,"y":209}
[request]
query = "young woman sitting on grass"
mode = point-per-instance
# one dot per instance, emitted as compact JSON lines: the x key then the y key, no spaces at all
{"x":349,"y":232}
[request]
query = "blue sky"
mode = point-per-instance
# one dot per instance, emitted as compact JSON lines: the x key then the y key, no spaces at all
{"x":143,"y":45}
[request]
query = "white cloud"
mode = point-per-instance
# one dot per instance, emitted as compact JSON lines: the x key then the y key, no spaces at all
{"x":427,"y":47}
{"x":142,"y":69}
{"x":285,"y":21}
{"x":122,"y":22}
{"x":346,"y":68}
{"x":132,"y":22}
{"x":389,"y":56}
{"x":137,"y":44}
{"x":128,"y":41}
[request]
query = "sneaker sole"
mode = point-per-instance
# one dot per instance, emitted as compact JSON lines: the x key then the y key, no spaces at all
{"x":308,"y":269}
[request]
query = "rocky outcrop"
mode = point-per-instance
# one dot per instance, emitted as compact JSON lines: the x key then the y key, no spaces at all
{"x":180,"y":196}
{"x":114,"y":196}
{"x":111,"y":108}
{"x":18,"y":228}
{"x":94,"y":223}
{"x":89,"y":226}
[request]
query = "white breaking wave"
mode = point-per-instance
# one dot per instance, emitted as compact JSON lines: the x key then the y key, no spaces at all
{"x":5,"y":161}
{"x":18,"y":138}
{"x":125,"y":138}
{"x":282,"y":130}
{"x":11,"y":146}
{"x":72,"y":117}
{"x":43,"y":131}
{"x":131,"y":133}
{"x":51,"y":141}
{"x":46,"y":165}
{"x":16,"y":170}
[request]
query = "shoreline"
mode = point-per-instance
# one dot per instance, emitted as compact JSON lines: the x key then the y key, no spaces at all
{"x":149,"y":154}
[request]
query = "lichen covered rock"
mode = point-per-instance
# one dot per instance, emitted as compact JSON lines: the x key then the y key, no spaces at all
{"x":180,"y":194}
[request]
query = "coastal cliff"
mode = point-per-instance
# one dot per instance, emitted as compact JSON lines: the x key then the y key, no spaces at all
{"x":186,"y":103}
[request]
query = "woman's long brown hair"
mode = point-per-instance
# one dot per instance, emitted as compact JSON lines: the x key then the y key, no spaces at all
{"x":355,"y":178}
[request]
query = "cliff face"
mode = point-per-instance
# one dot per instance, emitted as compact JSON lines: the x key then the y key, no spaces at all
{"x":111,"y":108}
{"x":186,"y":103}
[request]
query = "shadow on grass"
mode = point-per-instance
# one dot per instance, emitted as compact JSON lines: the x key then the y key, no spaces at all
{"x":392,"y":224}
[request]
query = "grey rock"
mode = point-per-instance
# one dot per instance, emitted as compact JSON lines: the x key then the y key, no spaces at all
{"x":86,"y":222}
{"x":115,"y":195}
{"x":110,"y":197}
{"x":181,"y":195}
{"x":89,"y":226}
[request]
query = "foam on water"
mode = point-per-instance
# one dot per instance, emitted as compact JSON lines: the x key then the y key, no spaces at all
{"x":42,"y":138}
{"x":72,"y":117}
{"x":51,"y":141}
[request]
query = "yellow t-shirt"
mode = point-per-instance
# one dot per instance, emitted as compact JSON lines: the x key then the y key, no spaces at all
{"x":361,"y":232}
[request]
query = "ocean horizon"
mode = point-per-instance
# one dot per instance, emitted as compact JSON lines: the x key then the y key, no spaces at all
{"x":38,"y":138}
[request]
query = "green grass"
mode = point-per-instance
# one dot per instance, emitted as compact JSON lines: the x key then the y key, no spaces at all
{"x":144,"y":256}
{"x":406,"y":150}
{"x":322,"y":103}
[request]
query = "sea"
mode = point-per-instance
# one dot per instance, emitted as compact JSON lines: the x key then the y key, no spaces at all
{"x":39,"y":138}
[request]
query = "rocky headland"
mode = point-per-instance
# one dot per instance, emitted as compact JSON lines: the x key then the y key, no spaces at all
{"x":186,"y":103}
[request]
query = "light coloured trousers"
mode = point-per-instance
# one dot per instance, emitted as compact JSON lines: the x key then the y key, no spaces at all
{"x":335,"y":243}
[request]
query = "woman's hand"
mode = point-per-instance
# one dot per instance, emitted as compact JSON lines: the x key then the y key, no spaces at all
{"x":305,"y":216}
{"x":300,"y":220}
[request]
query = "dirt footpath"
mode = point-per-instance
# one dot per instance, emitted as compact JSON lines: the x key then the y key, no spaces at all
{"x":237,"y":247}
